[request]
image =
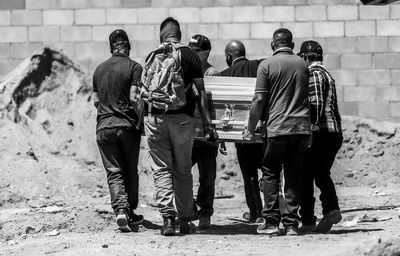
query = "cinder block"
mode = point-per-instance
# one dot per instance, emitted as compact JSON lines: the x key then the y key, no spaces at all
{"x":107,"y":3}
{"x":388,"y":27}
{"x":167,"y":3}
{"x":350,"y":2}
{"x":377,"y":110}
{"x":374,"y":77}
{"x":332,"y":61}
{"x":202,"y":3}
{"x":12,"y":4}
{"x":311,"y":13}
{"x":261,"y":2}
{"x":234,"y":31}
{"x":299,"y":29}
{"x":90,"y":17}
{"x":229,"y":2}
{"x":328,"y":29}
{"x":326,"y":2}
{"x":360,"y":28}
{"x":141,"y":33}
{"x":4,"y":50}
{"x":143,"y":48}
{"x":387,"y":60}
{"x":152,"y":15}
{"x":58,"y":17}
{"x":348,"y":108}
{"x":394,"y":11}
{"x":186,"y":15}
{"x":122,"y":16}
{"x":258,"y":47}
{"x":75,"y":4}
{"x":13,"y":34}
{"x":360,"y":94}
{"x":101,"y":33}
{"x":137,"y":3}
{"x":26,"y":17}
{"x":345,"y":77}
{"x":42,"y":4}
{"x":247,"y":14}
{"x":292,"y":2}
{"x":394,"y":44}
{"x":5,"y":18}
{"x":341,"y":45}
{"x":387,"y":93}
{"x":394,"y":109}
{"x":374,"y":12}
{"x":357,"y":61}
{"x":7,"y":65}
{"x":90,"y":50}
{"x":209,"y":30}
{"x":373,"y":44}
{"x":216,"y":14}
{"x":44,"y":34}
{"x":279,"y":13}
{"x":263,"y":30}
{"x":218,"y":47}
{"x":75,"y":33}
{"x":342,"y":12}
{"x":66,"y":47}
{"x":23,"y":50}
{"x":395,"y":77}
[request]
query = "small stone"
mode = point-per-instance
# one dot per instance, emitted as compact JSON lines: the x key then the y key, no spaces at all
{"x":29,"y":230}
{"x":55,"y":232}
{"x":105,"y":246}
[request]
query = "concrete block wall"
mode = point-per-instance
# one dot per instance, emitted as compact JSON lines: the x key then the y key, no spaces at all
{"x":361,"y":43}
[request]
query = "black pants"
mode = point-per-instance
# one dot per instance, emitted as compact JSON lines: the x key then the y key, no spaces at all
{"x":317,"y":166}
{"x":250,"y":157}
{"x":119,"y":150}
{"x":287,"y":152}
{"x":204,"y":154}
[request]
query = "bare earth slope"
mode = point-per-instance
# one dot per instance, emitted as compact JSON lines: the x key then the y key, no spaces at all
{"x":54,"y":198}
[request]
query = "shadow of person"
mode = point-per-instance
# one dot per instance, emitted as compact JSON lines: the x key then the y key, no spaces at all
{"x":230,"y":229}
{"x":150,"y":225}
{"x":356,"y":230}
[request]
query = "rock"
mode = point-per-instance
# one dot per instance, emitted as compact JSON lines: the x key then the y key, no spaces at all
{"x":55,"y":232}
{"x":104,"y":246}
{"x":29,"y":230}
{"x":12,"y":242}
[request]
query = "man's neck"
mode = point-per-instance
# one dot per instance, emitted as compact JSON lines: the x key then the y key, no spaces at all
{"x":121,"y":51}
{"x":238,"y":58}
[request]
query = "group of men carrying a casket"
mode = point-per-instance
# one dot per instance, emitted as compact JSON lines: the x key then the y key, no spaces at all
{"x":294,"y":96}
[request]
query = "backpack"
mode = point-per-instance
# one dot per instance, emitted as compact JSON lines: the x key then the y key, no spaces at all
{"x":162,"y":78}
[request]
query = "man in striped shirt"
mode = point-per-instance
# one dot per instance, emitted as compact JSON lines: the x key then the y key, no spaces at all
{"x":327,"y":140}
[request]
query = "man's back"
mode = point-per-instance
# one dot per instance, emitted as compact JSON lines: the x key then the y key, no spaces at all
{"x":112,"y":81}
{"x":242,"y":68}
{"x":284,"y":76}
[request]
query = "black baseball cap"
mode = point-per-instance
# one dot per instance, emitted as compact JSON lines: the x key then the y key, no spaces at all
{"x":311,"y":46}
{"x":118,"y":35}
{"x":200,"y":43}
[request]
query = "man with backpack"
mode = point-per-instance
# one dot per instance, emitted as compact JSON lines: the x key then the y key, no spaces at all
{"x":170,"y":71}
{"x":117,"y":137}
{"x":204,"y":153}
{"x":249,"y":154}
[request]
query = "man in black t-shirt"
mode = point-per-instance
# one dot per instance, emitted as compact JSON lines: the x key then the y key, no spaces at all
{"x":117,"y":138}
{"x":249,"y":155}
{"x":170,"y":135}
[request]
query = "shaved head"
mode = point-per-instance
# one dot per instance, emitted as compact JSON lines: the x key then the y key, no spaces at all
{"x":233,"y":50}
{"x":282,"y":38}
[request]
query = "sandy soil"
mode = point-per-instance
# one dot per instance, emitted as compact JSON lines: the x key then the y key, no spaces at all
{"x":54,"y":198}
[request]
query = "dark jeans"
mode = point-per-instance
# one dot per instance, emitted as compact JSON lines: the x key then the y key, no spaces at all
{"x":205,"y":154}
{"x":317,"y":166}
{"x":250,"y":157}
{"x":287,"y":152}
{"x":119,"y":150}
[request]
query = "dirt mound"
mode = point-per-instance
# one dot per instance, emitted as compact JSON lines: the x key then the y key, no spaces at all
{"x":379,"y":247}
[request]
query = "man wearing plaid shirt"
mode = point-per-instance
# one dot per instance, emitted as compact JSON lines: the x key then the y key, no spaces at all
{"x":327,"y":140}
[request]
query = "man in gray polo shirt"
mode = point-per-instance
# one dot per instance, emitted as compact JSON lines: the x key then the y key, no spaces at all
{"x":282,"y":89}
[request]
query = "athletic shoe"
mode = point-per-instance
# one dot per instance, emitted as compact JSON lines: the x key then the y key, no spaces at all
{"x":269,"y":229}
{"x":168,"y":228}
{"x":204,"y":222}
{"x":186,"y":228}
{"x":253,"y":219}
{"x":326,"y":223}
{"x":291,"y":231}
{"x":136,"y":219}
{"x":306,"y":229}
{"x":122,"y":220}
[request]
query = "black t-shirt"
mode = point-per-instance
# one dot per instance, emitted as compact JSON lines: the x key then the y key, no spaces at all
{"x":112,"y":81}
{"x":242,"y":67}
{"x":191,"y":67}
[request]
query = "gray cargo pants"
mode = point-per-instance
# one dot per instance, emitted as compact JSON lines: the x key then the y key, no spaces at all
{"x":170,"y":138}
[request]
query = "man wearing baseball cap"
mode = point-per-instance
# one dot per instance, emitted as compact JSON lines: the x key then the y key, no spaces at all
{"x":204,"y":153}
{"x":118,"y":139}
{"x":327,"y":140}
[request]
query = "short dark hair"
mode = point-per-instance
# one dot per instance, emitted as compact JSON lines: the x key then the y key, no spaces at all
{"x":174,"y":22}
{"x":310,"y":56}
{"x":282,"y":36}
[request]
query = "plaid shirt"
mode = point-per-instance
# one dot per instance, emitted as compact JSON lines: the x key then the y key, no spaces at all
{"x":324,"y":110}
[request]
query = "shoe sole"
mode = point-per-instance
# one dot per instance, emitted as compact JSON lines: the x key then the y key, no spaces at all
{"x":336,"y":219}
{"x":168,"y":233}
{"x":269,"y":232}
{"x":122,"y":223}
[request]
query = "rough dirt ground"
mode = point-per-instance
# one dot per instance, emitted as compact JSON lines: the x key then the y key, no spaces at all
{"x":54,"y":199}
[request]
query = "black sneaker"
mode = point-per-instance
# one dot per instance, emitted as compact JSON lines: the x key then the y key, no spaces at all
{"x":122,"y":220}
{"x":136,"y":219}
{"x":186,"y":228}
{"x":168,"y":228}
{"x":326,"y":223}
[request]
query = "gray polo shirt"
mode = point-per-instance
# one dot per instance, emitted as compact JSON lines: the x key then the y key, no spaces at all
{"x":284,"y":78}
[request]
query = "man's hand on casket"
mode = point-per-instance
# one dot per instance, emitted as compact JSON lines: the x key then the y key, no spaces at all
{"x":247,"y":135}
{"x":211,"y":134}
{"x":222,"y":148}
